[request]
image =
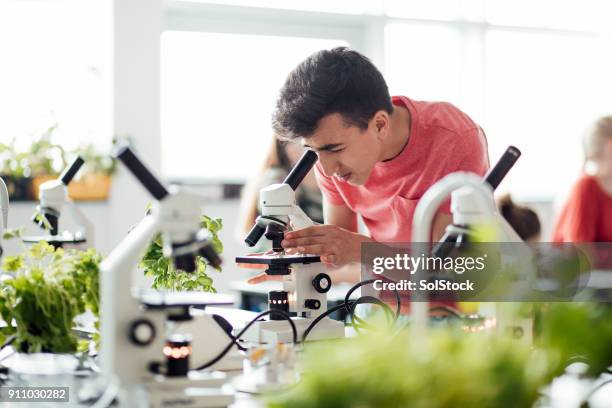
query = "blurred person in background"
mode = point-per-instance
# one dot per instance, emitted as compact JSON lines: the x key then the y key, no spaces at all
{"x":587,"y":214}
{"x":521,"y":218}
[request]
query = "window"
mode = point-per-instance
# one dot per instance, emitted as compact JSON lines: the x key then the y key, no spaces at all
{"x":55,"y":69}
{"x":218,"y":94}
{"x":423,"y":69}
{"x":542,"y":90}
{"x":533,"y":74}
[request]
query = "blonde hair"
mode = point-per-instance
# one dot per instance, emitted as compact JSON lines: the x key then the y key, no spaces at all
{"x":596,"y":137}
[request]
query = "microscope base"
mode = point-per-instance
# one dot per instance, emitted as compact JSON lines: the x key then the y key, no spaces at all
{"x":188,"y":392}
{"x":279,"y":331}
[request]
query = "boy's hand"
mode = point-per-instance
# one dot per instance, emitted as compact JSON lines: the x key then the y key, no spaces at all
{"x":336,"y":246}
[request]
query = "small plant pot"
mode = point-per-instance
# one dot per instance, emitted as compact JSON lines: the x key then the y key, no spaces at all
{"x":90,"y":187}
{"x":19,"y":188}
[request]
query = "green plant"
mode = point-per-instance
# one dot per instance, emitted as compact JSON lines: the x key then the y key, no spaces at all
{"x":41,"y":158}
{"x":45,"y":290}
{"x":577,"y":330}
{"x":45,"y":157}
{"x":449,"y":369}
{"x":165,"y":276}
{"x":95,"y":161}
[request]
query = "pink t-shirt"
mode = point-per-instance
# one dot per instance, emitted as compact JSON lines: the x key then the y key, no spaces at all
{"x":442,"y":140}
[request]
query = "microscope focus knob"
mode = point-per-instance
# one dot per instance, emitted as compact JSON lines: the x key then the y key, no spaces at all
{"x":313,"y":304}
{"x":322,"y":283}
{"x":141,"y":332}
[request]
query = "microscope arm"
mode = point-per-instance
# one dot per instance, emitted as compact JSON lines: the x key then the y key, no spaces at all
{"x":299,"y":219}
{"x":423,"y":217}
{"x":4,"y":204}
{"x":84,"y":225}
{"x":118,"y":303}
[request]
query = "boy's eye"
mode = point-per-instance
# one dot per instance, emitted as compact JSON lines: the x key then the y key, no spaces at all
{"x":337,"y":150}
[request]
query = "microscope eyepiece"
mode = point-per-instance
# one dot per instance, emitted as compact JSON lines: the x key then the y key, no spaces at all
{"x":71,"y":171}
{"x":497,"y":173}
{"x":141,"y":172}
{"x":301,"y":169}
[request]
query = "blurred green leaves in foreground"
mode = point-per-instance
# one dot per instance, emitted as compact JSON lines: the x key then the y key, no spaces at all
{"x":449,"y":367}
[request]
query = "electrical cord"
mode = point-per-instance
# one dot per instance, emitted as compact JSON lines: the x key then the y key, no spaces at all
{"x":351,"y":305}
{"x":351,"y":311}
{"x":235,"y":339}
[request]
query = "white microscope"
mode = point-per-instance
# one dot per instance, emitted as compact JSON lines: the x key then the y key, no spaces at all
{"x":304,"y":281}
{"x":152,"y":338}
{"x":472,"y":204}
{"x":53,"y":198}
{"x":4,"y":208}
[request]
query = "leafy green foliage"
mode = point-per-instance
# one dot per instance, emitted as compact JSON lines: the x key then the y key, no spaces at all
{"x":46,"y":290}
{"x":165,"y":276}
{"x":577,"y":330}
{"x":42,"y":157}
{"x":449,"y":369}
{"x":13,"y":233}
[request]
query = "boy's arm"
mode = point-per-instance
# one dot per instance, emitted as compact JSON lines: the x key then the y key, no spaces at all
{"x":337,"y":242}
{"x":339,"y":215}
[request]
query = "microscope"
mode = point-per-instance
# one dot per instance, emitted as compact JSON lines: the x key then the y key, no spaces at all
{"x":4,"y":207}
{"x":304,"y":281}
{"x":472,"y":204}
{"x":151,"y":339}
{"x":53,"y":198}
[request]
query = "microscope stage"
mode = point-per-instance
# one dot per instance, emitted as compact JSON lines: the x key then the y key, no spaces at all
{"x":165,"y":299}
{"x":53,"y":239}
{"x":277,"y":260}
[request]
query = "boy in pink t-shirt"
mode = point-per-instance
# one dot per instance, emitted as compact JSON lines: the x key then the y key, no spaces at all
{"x":377,"y":154}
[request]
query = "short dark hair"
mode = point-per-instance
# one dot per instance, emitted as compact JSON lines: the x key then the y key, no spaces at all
{"x":339,"y":80}
{"x":522,"y":219}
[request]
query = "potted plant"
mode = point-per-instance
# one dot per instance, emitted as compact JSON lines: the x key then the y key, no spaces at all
{"x":576,"y":331}
{"x":165,"y":276}
{"x":93,"y":181}
{"x":43,"y":291}
{"x":20,"y":168}
{"x":14,"y":172}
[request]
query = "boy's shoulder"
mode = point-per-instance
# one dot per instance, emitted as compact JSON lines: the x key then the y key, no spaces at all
{"x":443,"y":116}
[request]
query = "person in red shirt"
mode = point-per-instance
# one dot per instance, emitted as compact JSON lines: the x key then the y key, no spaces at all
{"x":377,"y":154}
{"x":587,"y":214}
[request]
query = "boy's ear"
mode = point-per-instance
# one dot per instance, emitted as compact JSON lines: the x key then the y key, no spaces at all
{"x":381,"y":122}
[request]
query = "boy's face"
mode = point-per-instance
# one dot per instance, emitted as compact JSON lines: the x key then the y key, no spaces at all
{"x":346,"y":151}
